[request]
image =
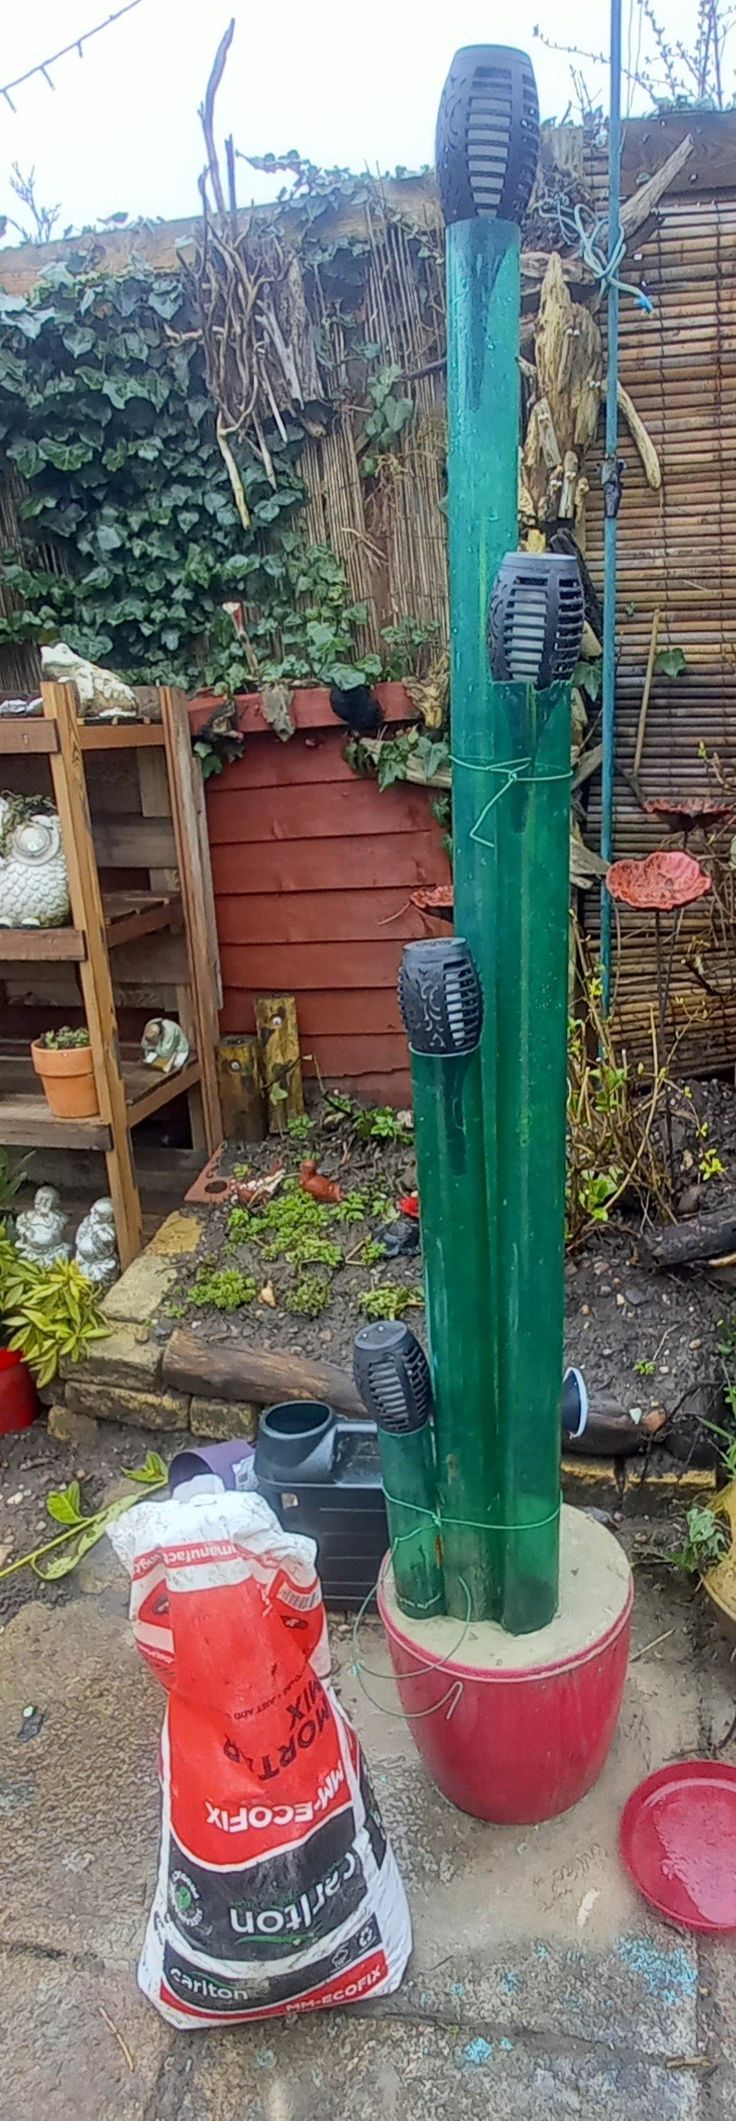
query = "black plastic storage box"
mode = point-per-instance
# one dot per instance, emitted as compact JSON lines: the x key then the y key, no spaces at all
{"x":322,"y":1476}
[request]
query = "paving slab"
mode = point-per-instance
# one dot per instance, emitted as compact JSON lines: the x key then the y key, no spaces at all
{"x":80,"y":1800}
{"x":539,"y":1986}
{"x":86,"y":2051}
{"x":363,"y":2069}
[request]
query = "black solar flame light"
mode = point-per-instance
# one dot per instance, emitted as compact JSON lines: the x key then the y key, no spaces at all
{"x":440,"y":998}
{"x":536,"y":618}
{"x":392,"y":1375}
{"x":487,"y":144}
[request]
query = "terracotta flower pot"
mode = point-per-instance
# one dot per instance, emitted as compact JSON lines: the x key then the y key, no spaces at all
{"x":68,"y":1079}
{"x":720,"y":1583}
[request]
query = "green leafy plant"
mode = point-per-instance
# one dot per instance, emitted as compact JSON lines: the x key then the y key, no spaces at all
{"x":588,"y":678}
{"x":81,"y":1531}
{"x":295,"y":1228}
{"x":707,"y":1540}
{"x":299,"y":1126}
{"x":388,"y":1301}
{"x":13,"y":1174}
{"x":353,"y":1208}
{"x":710,"y":1165}
{"x":405,"y":644}
{"x":383,"y":1209}
{"x":389,"y":413}
{"x":222,"y":1289}
{"x":50,"y":1313}
{"x":242,"y":1226}
{"x":380,"y":1123}
{"x":595,"y":1190}
{"x":371,"y":1252}
{"x":309,"y":1296}
{"x":66,"y":1040}
{"x":644,"y":1368}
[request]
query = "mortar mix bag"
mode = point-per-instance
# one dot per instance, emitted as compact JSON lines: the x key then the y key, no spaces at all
{"x":277,"y":1889}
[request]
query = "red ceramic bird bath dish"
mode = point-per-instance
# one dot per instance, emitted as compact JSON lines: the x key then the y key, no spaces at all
{"x":678,"y":1838}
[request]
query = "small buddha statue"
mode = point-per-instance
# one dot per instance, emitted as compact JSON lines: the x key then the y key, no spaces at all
{"x":39,"y":1231}
{"x":96,"y":1251}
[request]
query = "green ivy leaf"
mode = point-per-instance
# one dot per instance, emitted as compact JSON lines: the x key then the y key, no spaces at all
{"x":670,"y":662}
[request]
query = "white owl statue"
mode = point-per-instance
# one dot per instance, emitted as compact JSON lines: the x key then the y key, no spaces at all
{"x":34,"y":886}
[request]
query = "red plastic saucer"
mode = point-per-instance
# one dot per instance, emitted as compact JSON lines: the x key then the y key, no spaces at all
{"x":678,"y":1841}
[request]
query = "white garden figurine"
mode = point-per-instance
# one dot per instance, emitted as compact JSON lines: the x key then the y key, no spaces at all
{"x":96,"y":1251}
{"x":99,"y":691}
{"x":34,"y":886}
{"x":164,"y":1045}
{"x":39,"y":1231}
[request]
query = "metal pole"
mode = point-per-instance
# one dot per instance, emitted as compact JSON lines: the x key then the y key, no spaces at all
{"x":611,"y":495}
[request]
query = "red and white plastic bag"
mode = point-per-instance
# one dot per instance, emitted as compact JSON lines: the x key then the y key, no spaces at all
{"x":277,"y":1889}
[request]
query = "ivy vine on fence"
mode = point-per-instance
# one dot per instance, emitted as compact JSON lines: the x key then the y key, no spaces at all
{"x":129,"y":543}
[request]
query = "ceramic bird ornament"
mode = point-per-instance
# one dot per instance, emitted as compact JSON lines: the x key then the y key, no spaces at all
{"x":34,"y":886}
{"x":100,"y":692}
{"x":164,"y":1045}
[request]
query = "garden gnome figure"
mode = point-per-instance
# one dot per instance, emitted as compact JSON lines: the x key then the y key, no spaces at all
{"x":96,"y":1252}
{"x":40,"y":1230}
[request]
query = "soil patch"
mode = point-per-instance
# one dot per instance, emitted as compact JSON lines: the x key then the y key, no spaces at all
{"x":643,"y":1338}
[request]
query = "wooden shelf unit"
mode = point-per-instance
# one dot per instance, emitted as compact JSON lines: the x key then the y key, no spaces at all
{"x":164,"y":836}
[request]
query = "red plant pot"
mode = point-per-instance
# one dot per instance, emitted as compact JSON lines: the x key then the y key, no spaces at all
{"x":520,"y":1744}
{"x":18,"y":1395}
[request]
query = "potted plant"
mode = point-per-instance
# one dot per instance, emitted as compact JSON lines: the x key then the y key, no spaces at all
{"x":63,"y":1060}
{"x":18,"y":1395}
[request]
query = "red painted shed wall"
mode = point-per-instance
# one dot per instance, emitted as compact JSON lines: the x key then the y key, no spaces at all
{"x":312,"y":870}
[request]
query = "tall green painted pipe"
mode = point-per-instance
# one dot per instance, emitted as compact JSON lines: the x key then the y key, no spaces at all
{"x":511,"y":831}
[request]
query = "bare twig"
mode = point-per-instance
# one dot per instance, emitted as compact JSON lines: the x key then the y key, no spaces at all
{"x":207,"y":115}
{"x":122,"y":2044}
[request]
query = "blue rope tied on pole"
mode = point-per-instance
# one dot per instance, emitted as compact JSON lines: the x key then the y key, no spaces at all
{"x":579,"y":227}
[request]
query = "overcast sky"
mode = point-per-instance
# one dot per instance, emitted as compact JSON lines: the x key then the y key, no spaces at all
{"x":346,"y":85}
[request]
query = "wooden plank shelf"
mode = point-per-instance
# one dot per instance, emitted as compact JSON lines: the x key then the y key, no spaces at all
{"x":146,"y":1091}
{"x":25,"y":1117}
{"x":121,"y":736}
{"x":28,"y":945}
{"x":26,"y":1121}
{"x":128,"y":916}
{"x":18,"y":735}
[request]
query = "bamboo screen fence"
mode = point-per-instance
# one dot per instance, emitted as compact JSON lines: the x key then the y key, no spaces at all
{"x":676,"y":545}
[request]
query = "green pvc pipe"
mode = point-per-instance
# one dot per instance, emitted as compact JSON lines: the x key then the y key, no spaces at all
{"x":448,"y":1129}
{"x":410,"y":1488}
{"x":511,"y":761}
{"x":610,"y":524}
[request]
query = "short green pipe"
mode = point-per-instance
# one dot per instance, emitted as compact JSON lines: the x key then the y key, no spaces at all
{"x":410,"y":1487}
{"x":448,"y":1126}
